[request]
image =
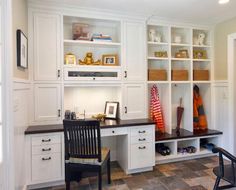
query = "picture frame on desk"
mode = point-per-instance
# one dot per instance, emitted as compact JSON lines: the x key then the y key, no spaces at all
{"x":111,"y":110}
{"x":22,"y":49}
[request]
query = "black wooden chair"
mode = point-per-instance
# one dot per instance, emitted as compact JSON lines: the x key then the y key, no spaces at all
{"x":225,"y":172}
{"x":83,"y":152}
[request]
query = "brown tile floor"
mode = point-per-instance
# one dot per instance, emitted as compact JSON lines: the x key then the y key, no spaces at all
{"x":186,"y":175}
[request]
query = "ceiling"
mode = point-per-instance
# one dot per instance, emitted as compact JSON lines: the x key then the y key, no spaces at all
{"x":192,"y":11}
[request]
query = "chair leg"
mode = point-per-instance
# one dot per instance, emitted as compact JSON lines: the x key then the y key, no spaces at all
{"x":217,"y":183}
{"x":108,"y":171}
{"x":100,"y":179}
{"x":67,"y":185}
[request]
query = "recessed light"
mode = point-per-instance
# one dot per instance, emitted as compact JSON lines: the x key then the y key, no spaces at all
{"x":223,"y":1}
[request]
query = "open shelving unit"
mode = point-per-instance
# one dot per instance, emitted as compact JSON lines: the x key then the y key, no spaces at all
{"x":175,"y":39}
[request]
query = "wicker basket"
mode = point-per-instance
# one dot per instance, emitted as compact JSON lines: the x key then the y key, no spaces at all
{"x":179,"y":75}
{"x":200,"y":75}
{"x":157,"y":75}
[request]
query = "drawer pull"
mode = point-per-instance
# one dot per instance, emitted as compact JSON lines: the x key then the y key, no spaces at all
{"x":144,"y":147}
{"x":142,"y":131}
{"x":44,"y":159}
{"x":142,"y":139}
{"x":46,"y":149}
{"x":113,"y":131}
{"x":48,"y":140}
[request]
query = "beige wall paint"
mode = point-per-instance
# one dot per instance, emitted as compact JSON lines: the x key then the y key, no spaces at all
{"x":222,"y":30}
{"x":20,"y":21}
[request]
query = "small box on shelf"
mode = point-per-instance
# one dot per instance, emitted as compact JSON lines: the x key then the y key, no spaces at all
{"x":179,"y":75}
{"x":157,"y":75}
{"x":199,"y":75}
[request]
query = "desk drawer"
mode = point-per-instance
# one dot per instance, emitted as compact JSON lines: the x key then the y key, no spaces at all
{"x":46,"y":167}
{"x":142,"y":155}
{"x":46,"y":149}
{"x":114,"y":131}
{"x":46,"y":140}
{"x":141,"y":139}
{"x":141,"y":131}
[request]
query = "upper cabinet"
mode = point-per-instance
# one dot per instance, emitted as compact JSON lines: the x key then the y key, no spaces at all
{"x":134,"y":51}
{"x":46,"y":47}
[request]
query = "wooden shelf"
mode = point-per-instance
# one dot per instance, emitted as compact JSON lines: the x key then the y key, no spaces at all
{"x":176,"y":44}
{"x":158,"y":43}
{"x":201,"y":60}
{"x":158,"y":58}
{"x":156,"y":82}
{"x":180,"y":59}
{"x":202,"y":46}
{"x":91,"y":43}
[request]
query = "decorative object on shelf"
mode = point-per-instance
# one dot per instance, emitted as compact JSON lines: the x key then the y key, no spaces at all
{"x":111,"y":110}
{"x":157,"y":75}
{"x":161,"y":54}
{"x":180,"y":111}
{"x":101,"y":38}
{"x":179,"y":75}
{"x":155,"y":110}
{"x":110,"y":60}
{"x":182,"y":54}
{"x":22,"y":49}
{"x":199,"y":54}
{"x":199,"y":117}
{"x":67,"y":114}
{"x":178,"y":39}
{"x":70,"y":59}
{"x":200,"y":39}
{"x":199,"y":75}
{"x":162,"y":149}
{"x":205,"y":144}
{"x":73,"y":116}
{"x":99,"y":117}
{"x":154,"y":36}
{"x":80,"y":31}
{"x":185,"y":150}
{"x":88,"y":60}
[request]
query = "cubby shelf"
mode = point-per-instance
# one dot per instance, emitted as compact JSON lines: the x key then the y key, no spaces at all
{"x":202,"y":46}
{"x":158,"y":58}
{"x":91,"y":43}
{"x":157,"y":43}
{"x":180,"y":59}
{"x":201,"y":60}
{"x":158,"y":82}
{"x":177,"y":44}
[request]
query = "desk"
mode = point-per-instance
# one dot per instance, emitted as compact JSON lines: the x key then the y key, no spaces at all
{"x":135,"y":149}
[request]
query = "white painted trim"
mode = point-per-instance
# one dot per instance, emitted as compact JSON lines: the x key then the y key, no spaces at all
{"x":18,"y":80}
{"x":231,"y":68}
{"x":21,"y":86}
{"x":7,"y":93}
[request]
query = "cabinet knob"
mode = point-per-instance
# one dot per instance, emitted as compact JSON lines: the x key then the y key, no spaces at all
{"x":125,"y":74}
{"x":94,"y":78}
{"x":44,"y":159}
{"x":58,"y":73}
{"x":46,"y":149}
{"x":141,"y":148}
{"x":142,"y":131}
{"x":59,"y":113}
{"x":113,"y":131}
{"x":142,"y":139}
{"x":48,"y":140}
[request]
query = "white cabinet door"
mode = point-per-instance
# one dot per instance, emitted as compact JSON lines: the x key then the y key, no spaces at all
{"x":134,"y":51}
{"x":46,"y":32}
{"x":47,"y":102}
{"x":134,"y":101}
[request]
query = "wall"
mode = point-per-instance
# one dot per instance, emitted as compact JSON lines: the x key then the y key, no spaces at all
{"x":19,"y":21}
{"x":222,"y":30}
{"x":21,"y":96}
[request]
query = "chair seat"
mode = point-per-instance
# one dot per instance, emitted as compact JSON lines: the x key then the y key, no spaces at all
{"x":93,"y":161}
{"x":228,"y":173}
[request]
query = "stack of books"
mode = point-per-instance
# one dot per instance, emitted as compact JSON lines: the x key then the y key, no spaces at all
{"x":101,"y":38}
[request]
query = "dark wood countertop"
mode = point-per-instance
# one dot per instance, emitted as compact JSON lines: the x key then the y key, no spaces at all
{"x":185,"y":134}
{"x":37,"y":129}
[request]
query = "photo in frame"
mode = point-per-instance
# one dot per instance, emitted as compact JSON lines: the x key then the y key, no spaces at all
{"x":70,"y":59}
{"x":110,"y":60}
{"x":111,"y":110}
{"x":22,"y":49}
{"x":199,"y":54}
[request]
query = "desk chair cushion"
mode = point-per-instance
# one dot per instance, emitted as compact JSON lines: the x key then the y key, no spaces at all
{"x":228,"y":174}
{"x":93,"y":161}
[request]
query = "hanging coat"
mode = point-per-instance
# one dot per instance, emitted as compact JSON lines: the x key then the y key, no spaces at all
{"x":199,"y":117}
{"x":155,"y":109}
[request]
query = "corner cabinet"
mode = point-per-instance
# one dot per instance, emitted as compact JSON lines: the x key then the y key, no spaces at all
{"x":47,"y":102}
{"x":46,"y":46}
{"x":134,"y":105}
{"x":134,"y":51}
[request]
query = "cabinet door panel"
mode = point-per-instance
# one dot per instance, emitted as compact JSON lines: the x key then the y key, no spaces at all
{"x":47,"y":102}
{"x":135,"y":102}
{"x":46,"y":46}
{"x":134,"y":51}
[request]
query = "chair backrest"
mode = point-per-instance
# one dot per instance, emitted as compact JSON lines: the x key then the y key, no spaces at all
{"x":82,"y":139}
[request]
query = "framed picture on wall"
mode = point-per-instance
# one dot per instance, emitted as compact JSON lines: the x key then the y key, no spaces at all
{"x":22,"y":49}
{"x":111,"y":110}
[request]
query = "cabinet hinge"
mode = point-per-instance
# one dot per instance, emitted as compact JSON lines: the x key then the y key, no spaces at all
{"x":125,"y":74}
{"x":58,"y":73}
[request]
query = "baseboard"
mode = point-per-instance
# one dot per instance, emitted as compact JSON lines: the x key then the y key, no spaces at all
{"x":44,"y":185}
